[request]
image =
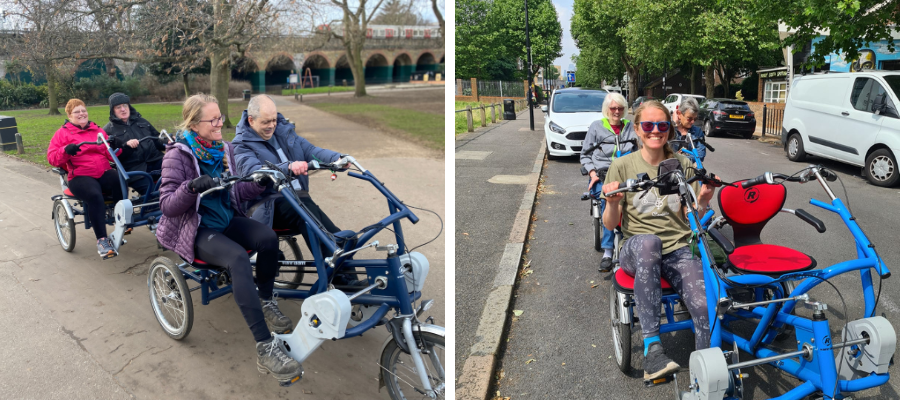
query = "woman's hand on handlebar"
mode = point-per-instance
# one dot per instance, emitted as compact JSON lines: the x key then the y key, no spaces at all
{"x":72,"y":149}
{"x":706,"y":192}
{"x":202,"y":184}
{"x":612,"y":199}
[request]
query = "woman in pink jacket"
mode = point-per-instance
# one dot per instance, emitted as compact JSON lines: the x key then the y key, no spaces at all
{"x":90,"y":175}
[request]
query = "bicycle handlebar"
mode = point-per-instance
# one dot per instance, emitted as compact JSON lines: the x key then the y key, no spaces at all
{"x":594,"y":146}
{"x":804,"y":176}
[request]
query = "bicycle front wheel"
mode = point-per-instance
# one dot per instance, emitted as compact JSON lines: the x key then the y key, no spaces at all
{"x":400,"y":373}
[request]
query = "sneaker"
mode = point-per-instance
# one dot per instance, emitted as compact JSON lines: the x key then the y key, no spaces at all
{"x":656,"y":364}
{"x":279,"y":323}
{"x":606,"y":264}
{"x":106,"y":249}
{"x":271,"y":359}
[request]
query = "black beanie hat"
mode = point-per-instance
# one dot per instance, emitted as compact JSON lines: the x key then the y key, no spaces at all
{"x":118,"y":98}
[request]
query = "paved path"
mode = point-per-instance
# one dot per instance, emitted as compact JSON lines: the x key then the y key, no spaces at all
{"x":495,"y":174}
{"x":561,"y":343}
{"x":83,"y":328}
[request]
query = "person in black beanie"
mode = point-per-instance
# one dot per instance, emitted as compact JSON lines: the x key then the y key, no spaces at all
{"x":126,"y":128}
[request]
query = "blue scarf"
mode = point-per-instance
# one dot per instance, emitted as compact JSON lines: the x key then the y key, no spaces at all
{"x":205,"y":151}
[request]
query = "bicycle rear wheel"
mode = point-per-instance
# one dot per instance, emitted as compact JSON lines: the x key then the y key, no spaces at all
{"x":621,"y":334}
{"x":65,"y":226}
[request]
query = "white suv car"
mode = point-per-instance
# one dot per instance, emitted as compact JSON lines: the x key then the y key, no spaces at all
{"x":570,"y":113}
{"x":852,"y":118}
{"x":672,"y":101}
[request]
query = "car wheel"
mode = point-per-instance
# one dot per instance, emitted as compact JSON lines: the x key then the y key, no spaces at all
{"x":748,"y":135}
{"x":708,"y":129}
{"x":881,"y":168}
{"x":795,"y":148}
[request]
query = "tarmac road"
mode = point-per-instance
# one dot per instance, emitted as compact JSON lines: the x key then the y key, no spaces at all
{"x":79,"y":327}
{"x":560,"y":346}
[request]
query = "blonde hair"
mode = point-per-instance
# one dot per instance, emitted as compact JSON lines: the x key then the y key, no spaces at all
{"x":193,"y":110}
{"x":610,"y":98}
{"x":70,"y":106}
{"x":667,"y":150}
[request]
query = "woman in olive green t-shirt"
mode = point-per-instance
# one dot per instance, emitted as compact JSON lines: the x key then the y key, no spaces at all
{"x":656,"y":233}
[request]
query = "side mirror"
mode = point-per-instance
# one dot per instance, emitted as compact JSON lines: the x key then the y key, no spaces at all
{"x":544,"y":109}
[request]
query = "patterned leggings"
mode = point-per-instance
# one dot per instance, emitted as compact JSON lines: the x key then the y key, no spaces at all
{"x":642,"y":258}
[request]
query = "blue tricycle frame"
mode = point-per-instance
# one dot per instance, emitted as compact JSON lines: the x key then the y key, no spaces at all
{"x":389,"y":290}
{"x":864,"y":352}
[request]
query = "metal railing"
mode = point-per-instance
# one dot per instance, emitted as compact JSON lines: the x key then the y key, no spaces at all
{"x":463,"y":88}
{"x":772,"y":121}
{"x":501,"y":89}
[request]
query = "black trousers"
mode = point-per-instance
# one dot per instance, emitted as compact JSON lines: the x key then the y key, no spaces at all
{"x":228,"y":249}
{"x":141,"y":184}
{"x":286,"y":218}
{"x":90,"y":191}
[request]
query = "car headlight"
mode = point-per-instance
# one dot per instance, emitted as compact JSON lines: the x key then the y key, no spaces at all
{"x":556,"y":128}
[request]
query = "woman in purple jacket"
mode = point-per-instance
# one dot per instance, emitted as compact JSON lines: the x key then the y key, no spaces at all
{"x":216,"y":230}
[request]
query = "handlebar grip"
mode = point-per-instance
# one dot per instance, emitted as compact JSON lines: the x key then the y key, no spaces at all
{"x":585,"y":196}
{"x":709,"y":147}
{"x":719,"y":238}
{"x":810,"y":219}
{"x":753,"y":182}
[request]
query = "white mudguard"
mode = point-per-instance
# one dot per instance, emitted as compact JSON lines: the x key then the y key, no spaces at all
{"x":124,"y":211}
{"x":324,"y":317}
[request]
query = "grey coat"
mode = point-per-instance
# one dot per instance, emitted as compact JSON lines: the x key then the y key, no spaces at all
{"x":251,"y":152}
{"x":601,"y":132}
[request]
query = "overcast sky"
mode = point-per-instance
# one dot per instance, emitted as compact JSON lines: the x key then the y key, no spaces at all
{"x":564,"y":12}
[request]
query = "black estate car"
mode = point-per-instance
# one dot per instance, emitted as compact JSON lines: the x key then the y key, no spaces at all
{"x":726,"y":116}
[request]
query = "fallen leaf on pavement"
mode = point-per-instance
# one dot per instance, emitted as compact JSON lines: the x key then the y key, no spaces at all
{"x":528,"y":272}
{"x":594,"y":286}
{"x":593,"y":345}
{"x":466,"y":233}
{"x":563,"y":363}
{"x":530,"y":360}
{"x":518,"y":312}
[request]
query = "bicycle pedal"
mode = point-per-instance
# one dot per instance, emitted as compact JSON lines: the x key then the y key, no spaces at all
{"x":290,"y":382}
{"x":660,"y":381}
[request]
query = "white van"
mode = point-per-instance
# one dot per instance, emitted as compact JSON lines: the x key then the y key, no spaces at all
{"x":848,"y":117}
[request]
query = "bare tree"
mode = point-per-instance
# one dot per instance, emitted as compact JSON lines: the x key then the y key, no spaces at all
{"x":352,"y":34}
{"x":438,"y":13}
{"x":43,"y":34}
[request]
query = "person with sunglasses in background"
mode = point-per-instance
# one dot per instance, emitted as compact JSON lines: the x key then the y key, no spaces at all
{"x":656,"y":233}
{"x":685,"y":115}
{"x":605,"y":131}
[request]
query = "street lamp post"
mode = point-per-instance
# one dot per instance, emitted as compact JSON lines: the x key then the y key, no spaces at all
{"x":530,"y":76}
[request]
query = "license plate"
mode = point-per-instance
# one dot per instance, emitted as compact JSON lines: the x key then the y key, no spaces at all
{"x":736,"y":116}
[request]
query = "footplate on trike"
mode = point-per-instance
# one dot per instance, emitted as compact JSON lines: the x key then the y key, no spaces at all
{"x":324,"y":317}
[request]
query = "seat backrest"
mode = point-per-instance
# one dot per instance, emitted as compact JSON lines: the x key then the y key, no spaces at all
{"x":748,"y":210}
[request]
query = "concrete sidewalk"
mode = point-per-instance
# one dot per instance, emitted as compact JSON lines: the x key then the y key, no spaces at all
{"x":497,"y":172}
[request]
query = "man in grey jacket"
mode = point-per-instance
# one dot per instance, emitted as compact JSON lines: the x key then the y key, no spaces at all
{"x":263,"y":134}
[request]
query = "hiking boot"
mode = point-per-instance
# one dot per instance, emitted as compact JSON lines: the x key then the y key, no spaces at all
{"x":271,"y":359}
{"x":656,"y":364}
{"x":276,"y":321}
{"x":105,"y":248}
{"x":606,"y":264}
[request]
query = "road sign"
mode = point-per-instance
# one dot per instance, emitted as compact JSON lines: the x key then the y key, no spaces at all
{"x":570,"y":77}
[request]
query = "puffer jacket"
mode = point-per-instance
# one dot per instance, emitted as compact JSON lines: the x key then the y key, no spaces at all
{"x":135,"y":128}
{"x":601,"y":131}
{"x":178,"y":225}
{"x":251,"y":152}
{"x":91,"y":160}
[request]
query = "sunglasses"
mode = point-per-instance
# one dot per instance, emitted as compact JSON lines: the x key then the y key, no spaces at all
{"x":617,"y":109}
{"x":648,"y":126}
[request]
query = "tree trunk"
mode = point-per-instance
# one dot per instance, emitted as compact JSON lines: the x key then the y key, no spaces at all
{"x":694,"y":72}
{"x":187,"y":89}
{"x":218,"y":81}
{"x":632,"y":83}
{"x":110,"y":67}
{"x":52,"y":101}
{"x":710,"y":82}
{"x":353,"y":45}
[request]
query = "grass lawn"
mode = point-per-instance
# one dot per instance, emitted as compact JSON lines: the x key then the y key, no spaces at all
{"x":37,"y":128}
{"x":476,"y":115}
{"x":425,"y":127}
{"x":320,"y":89}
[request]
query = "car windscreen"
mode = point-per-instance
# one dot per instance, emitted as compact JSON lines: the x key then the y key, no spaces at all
{"x":578,"y":102}
{"x":735,"y":106}
{"x":894,"y":82}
